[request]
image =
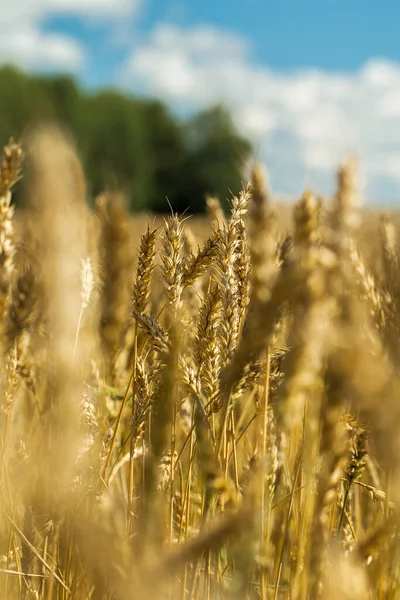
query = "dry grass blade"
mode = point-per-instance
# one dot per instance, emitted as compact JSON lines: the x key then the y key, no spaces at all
{"x":39,"y":556}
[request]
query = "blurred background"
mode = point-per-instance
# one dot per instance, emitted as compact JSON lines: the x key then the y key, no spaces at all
{"x":170,"y":101}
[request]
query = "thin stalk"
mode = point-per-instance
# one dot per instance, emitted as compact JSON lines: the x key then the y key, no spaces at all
{"x":78,"y":328}
{"x":131,"y":462}
{"x":346,"y":495}
{"x":282,"y":542}
{"x":117,"y":422}
{"x":264,"y":529}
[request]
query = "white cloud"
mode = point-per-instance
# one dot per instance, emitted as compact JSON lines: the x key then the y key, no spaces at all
{"x":25,"y":41}
{"x":36,"y":10}
{"x":321,"y":117}
{"x":31,"y":48}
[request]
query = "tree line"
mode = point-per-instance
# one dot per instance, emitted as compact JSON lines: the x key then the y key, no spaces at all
{"x":130,"y":143}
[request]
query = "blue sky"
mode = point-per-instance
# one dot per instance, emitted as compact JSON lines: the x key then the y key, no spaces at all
{"x":309,"y":81}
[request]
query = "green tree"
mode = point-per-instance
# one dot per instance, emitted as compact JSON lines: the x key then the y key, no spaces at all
{"x":66,"y":100}
{"x":114,"y":146}
{"x":23,"y":104}
{"x":216,"y":155}
{"x":132,"y":144}
{"x":166,"y":155}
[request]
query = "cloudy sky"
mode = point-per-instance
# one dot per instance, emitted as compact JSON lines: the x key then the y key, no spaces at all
{"x":309,"y":81}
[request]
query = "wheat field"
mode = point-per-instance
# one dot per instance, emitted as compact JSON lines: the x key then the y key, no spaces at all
{"x":206,"y":410}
